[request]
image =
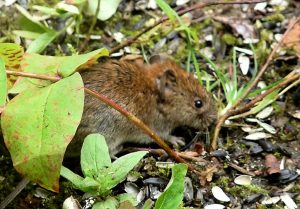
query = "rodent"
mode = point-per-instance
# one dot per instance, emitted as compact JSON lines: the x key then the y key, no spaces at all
{"x":161,"y":94}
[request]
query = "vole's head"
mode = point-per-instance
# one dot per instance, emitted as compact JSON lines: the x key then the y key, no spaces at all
{"x":181,"y":100}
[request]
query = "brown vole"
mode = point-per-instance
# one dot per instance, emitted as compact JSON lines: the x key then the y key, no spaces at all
{"x":161,"y":94}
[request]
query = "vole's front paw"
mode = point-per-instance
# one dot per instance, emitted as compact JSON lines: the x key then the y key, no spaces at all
{"x":177,"y":141}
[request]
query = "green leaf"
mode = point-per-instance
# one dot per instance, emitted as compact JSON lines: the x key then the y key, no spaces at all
{"x":39,"y":44}
{"x":107,"y":8}
{"x":72,"y":177}
{"x":119,"y":170}
{"x":11,"y":54}
{"x":52,"y":66}
{"x":109,"y":203}
{"x":27,"y":22}
{"x":168,"y":10}
{"x":26,"y":34}
{"x":38,"y":125}
{"x":172,"y":197}
{"x":148,"y":204}
{"x":94,"y":155}
{"x":126,"y":197}
{"x":46,"y":10}
{"x":3,"y":85}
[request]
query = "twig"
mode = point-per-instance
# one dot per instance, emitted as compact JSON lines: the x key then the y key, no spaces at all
{"x":231,"y":111}
{"x":33,"y":75}
{"x":180,"y":13}
{"x":21,"y":185}
{"x":240,"y":169}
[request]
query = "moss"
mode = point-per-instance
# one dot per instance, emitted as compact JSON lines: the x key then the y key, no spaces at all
{"x":223,"y":181}
{"x":244,"y":191}
{"x":229,"y":39}
{"x":265,"y":35}
{"x":277,"y":17}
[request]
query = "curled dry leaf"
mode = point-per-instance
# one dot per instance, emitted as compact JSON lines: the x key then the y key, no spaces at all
{"x":258,"y":136}
{"x":219,"y":194}
{"x":71,"y":203}
{"x":270,"y":201}
{"x":249,"y":129}
{"x":272,"y":164}
{"x":265,"y":113}
{"x":265,"y":126}
{"x":288,"y":201}
{"x":243,"y":180}
{"x":214,"y":206}
{"x":296,"y":114}
{"x":244,"y":62}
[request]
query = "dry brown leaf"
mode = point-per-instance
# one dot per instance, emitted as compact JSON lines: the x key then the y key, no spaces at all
{"x":272,"y":164}
{"x":293,"y":39}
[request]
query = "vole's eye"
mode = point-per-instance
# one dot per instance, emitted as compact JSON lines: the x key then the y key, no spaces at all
{"x":198,"y":103}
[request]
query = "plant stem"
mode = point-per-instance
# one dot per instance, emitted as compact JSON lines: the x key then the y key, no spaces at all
{"x":33,"y":75}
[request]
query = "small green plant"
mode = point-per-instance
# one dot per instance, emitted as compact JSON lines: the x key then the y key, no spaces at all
{"x":191,"y":35}
{"x":100,"y":174}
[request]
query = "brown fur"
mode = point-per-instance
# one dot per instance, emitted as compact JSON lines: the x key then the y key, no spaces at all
{"x":161,"y":94}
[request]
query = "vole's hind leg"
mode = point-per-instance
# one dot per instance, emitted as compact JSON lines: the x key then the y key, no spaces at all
{"x":176,"y":141}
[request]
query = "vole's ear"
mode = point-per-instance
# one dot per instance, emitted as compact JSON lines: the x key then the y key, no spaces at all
{"x":158,"y":58}
{"x":166,"y":83}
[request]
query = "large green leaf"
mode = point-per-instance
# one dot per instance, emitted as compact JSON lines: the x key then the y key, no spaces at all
{"x":172,"y":197}
{"x":52,"y":66}
{"x":94,"y":155}
{"x":3,"y":85}
{"x":38,"y":125}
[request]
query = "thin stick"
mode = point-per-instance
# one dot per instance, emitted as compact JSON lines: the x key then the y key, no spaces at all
{"x":33,"y":75}
{"x":9,"y":198}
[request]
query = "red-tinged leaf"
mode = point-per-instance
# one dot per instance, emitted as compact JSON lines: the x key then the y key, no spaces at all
{"x":38,"y":125}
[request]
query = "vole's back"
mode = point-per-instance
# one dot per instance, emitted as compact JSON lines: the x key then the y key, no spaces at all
{"x":126,"y":84}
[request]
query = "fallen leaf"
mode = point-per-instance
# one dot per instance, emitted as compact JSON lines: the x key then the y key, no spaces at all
{"x":272,"y":164}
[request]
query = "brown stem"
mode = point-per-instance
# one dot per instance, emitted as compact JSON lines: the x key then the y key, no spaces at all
{"x":180,"y":13}
{"x":33,"y":75}
{"x":261,"y":96}
{"x":231,"y":111}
